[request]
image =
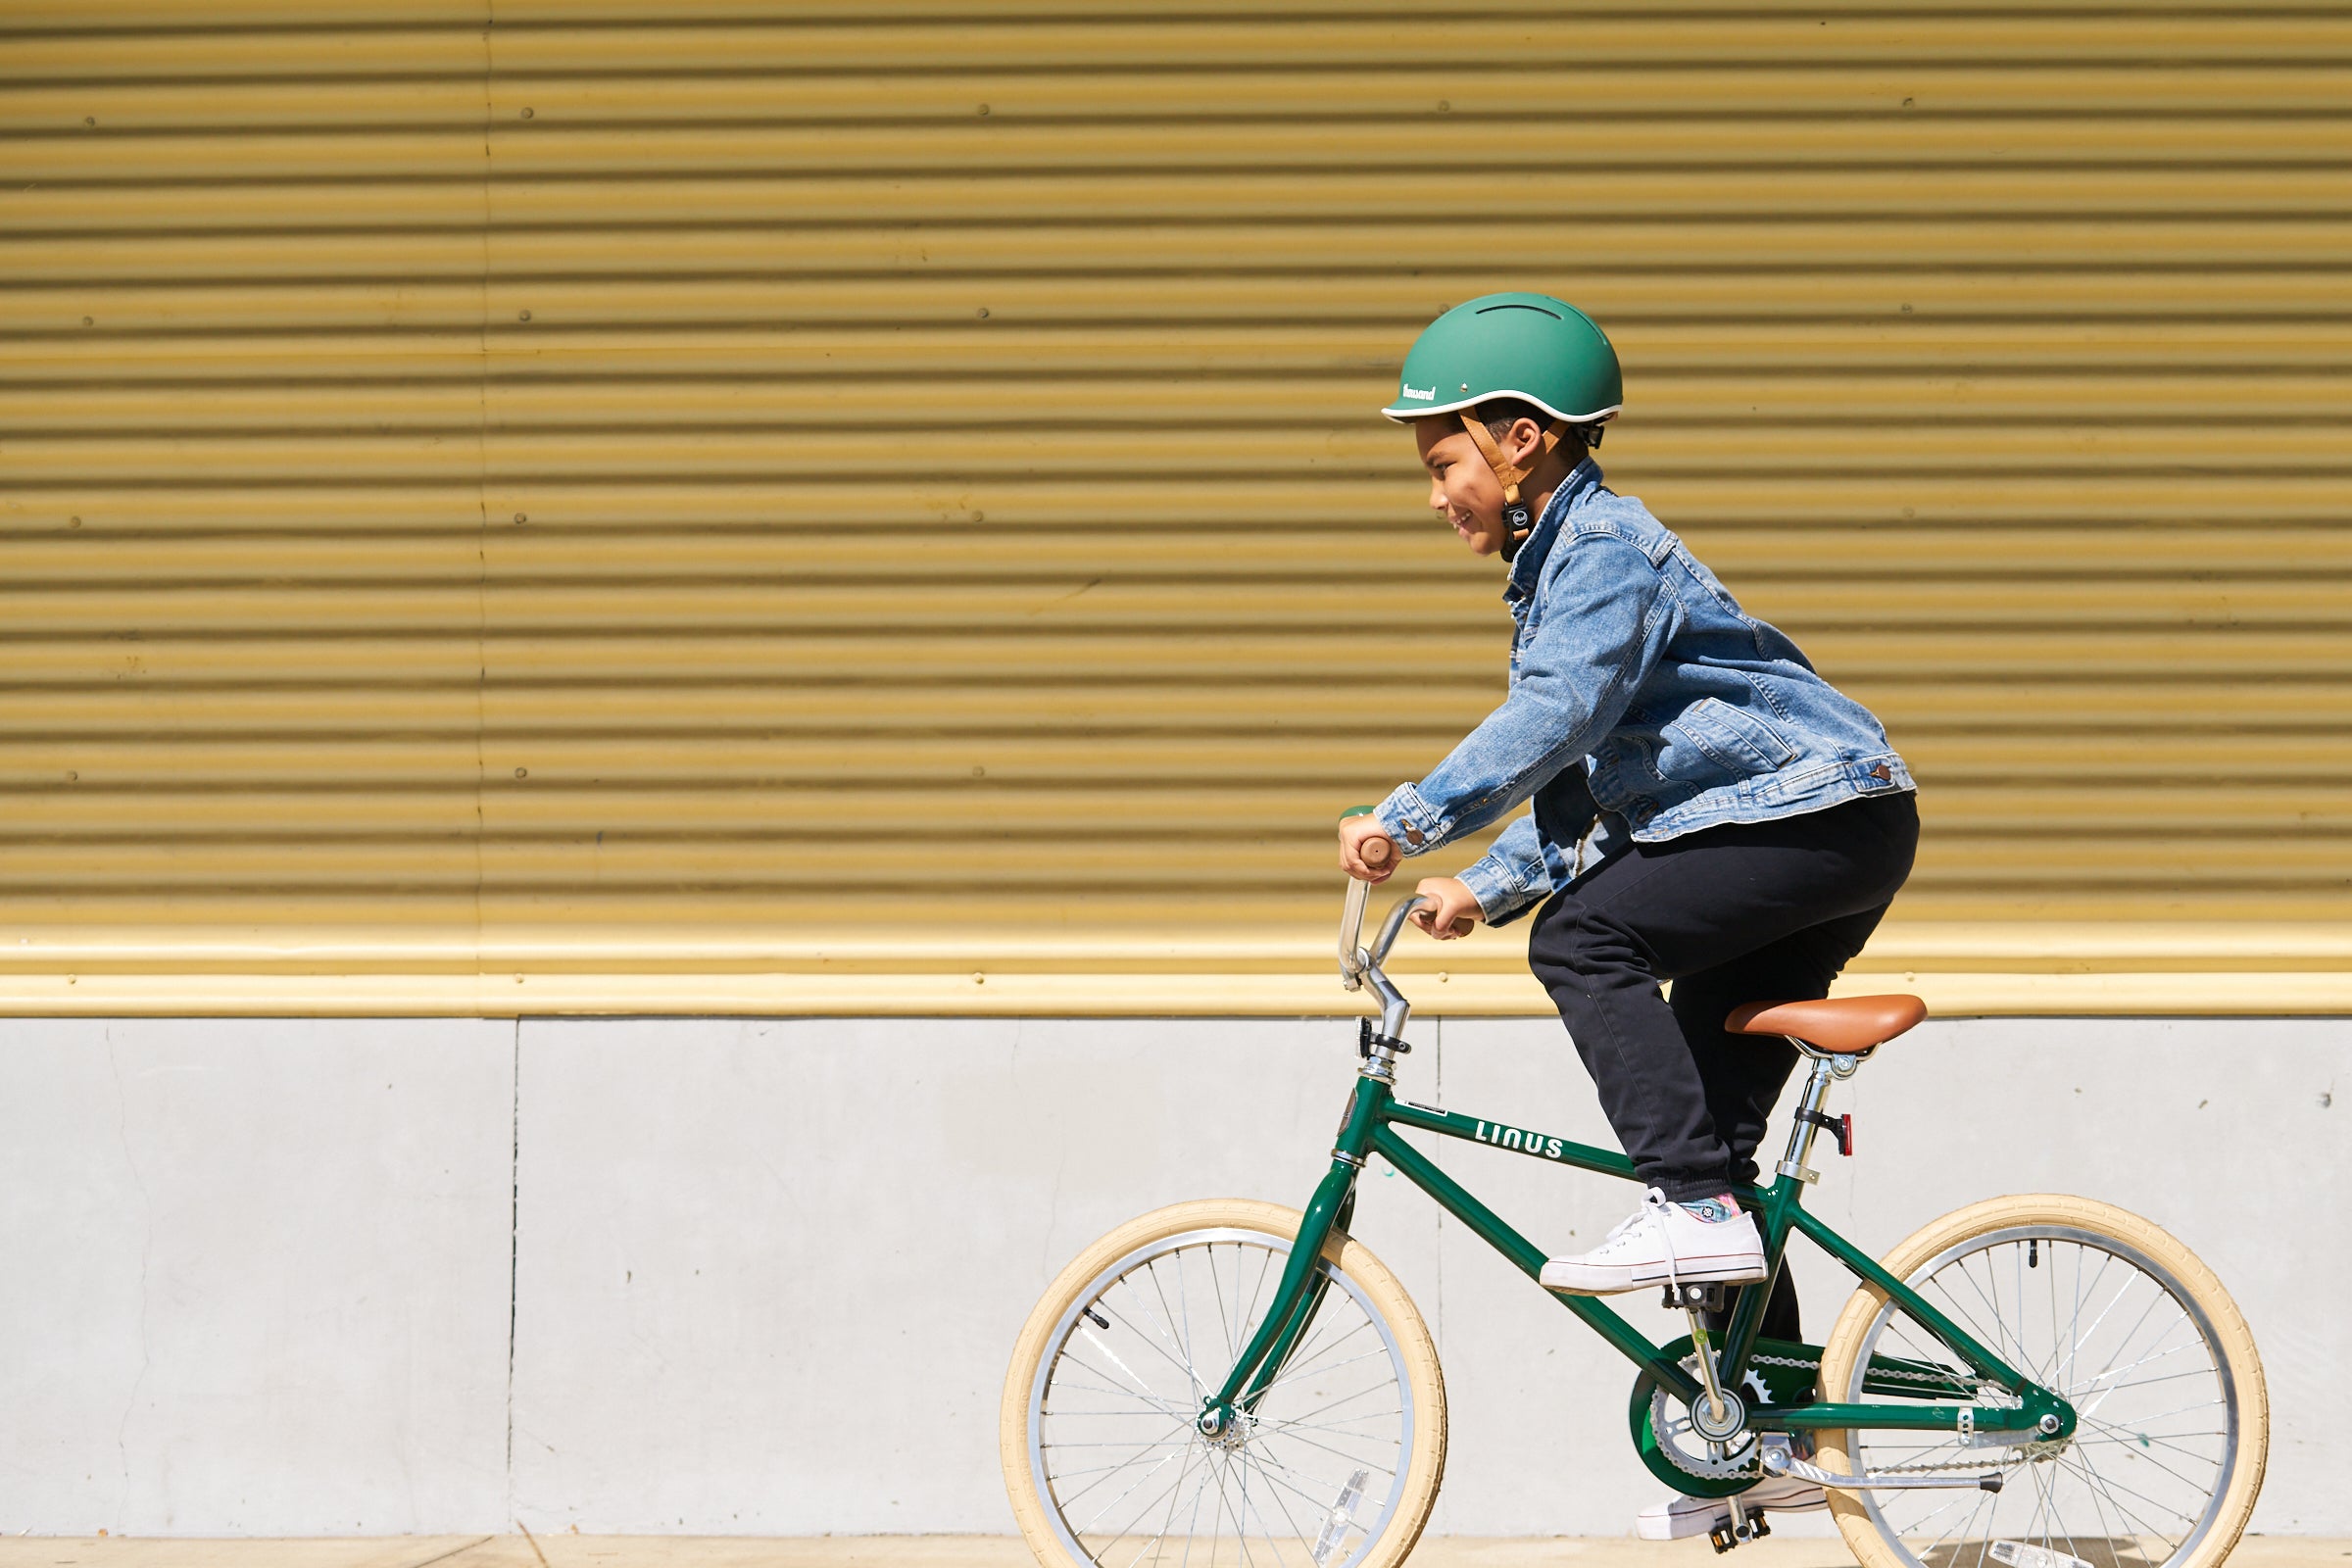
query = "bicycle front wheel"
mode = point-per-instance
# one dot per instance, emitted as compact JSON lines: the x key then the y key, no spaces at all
{"x":2129,"y":1326}
{"x":1337,"y":1466}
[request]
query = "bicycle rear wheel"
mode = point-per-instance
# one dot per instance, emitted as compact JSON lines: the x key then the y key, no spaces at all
{"x":1337,"y":1466}
{"x":2114,"y":1314}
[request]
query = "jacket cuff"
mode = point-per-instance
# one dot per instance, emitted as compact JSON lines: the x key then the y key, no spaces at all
{"x":1500,"y":898}
{"x":1407,"y":818}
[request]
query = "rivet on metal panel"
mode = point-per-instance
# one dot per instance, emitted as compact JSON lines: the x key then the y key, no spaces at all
{"x":525,"y":315}
{"x":88,"y":321}
{"x":522,"y":772}
{"x":979,"y":979}
{"x":984,"y":313}
{"x":1444,"y":107}
{"x":73,"y":522}
{"x":984,"y":108}
{"x":522,"y":516}
{"x":90,"y":119}
{"x":526,"y":113}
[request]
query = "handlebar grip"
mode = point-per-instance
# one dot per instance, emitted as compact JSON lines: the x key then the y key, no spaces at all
{"x":1377,"y":853}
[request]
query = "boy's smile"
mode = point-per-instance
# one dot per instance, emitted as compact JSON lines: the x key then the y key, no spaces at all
{"x":1463,"y":489}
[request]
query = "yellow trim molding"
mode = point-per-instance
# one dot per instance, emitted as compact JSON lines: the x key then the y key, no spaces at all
{"x":1015,"y":992}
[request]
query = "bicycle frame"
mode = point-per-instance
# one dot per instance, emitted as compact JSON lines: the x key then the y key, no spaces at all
{"x":1372,"y":1126}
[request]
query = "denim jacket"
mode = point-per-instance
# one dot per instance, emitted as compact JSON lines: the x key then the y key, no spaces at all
{"x":1643,"y":702}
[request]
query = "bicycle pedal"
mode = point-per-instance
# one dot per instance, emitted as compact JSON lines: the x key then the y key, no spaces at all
{"x":1725,"y":1535}
{"x":1691,"y":1297}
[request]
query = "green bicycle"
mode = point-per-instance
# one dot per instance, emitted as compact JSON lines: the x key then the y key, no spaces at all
{"x":2033,"y":1381}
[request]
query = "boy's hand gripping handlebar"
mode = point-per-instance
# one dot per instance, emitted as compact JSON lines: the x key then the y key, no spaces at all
{"x":1366,"y":852}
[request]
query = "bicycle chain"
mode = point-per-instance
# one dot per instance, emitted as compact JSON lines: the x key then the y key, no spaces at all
{"x":2022,"y":1453}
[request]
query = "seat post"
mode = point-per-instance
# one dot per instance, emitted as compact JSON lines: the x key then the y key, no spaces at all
{"x":1802,"y":1131}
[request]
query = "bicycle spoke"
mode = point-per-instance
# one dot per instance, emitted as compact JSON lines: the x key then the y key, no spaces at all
{"x":1309,"y":1344}
{"x":1291,"y":1374}
{"x":1294,"y":1437}
{"x":2146,"y":1361}
{"x":1106,"y":1470}
{"x":1233,"y":1348}
{"x":1168,"y":1352}
{"x":1139,"y":1391}
{"x":2076,"y":1337}
{"x":2102,"y":1487}
{"x":1175,"y":1497}
{"x":1279,"y":1503}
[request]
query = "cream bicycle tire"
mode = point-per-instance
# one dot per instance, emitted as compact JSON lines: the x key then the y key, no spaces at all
{"x":1087,"y":1285}
{"x":2053,"y":1220}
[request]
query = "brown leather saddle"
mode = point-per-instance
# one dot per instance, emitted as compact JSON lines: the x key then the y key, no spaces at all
{"x":1841,"y":1026}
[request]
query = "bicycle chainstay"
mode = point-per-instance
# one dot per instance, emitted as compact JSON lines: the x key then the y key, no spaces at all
{"x":2017,"y":1452}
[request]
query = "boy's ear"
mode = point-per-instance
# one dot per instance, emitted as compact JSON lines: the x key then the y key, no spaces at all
{"x":1524,"y":441}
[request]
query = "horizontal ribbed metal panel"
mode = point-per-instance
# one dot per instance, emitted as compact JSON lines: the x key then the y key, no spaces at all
{"x":607,"y":491}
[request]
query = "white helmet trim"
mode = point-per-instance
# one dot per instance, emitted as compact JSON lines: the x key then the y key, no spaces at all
{"x":1403,"y":414}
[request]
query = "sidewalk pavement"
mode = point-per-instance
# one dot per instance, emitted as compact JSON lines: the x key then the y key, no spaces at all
{"x":926,"y":1551}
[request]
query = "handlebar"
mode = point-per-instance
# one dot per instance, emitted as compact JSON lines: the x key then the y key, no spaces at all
{"x":1360,"y":966}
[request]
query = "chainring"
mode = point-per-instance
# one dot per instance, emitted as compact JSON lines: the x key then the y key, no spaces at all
{"x":1678,"y":1455}
{"x":1684,"y":1449}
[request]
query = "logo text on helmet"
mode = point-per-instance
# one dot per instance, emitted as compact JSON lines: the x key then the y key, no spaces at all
{"x":1426,"y":396}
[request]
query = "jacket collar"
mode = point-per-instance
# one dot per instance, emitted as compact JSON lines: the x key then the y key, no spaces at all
{"x":1528,"y":564}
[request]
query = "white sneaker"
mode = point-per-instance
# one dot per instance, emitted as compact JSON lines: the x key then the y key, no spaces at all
{"x":1663,"y":1243}
{"x":1678,"y":1517}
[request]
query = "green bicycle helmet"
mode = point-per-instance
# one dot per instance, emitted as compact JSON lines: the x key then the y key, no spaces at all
{"x":1526,"y":346}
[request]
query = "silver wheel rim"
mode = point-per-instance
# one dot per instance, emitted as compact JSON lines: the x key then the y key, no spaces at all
{"x":1126,"y":1479}
{"x":2139,"y":1484}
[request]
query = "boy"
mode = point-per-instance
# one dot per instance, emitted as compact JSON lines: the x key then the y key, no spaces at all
{"x":1704,"y":807}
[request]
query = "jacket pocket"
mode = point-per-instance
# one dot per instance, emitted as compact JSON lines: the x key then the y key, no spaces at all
{"x":1736,"y":742}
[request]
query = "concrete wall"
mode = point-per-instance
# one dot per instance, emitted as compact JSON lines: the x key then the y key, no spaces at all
{"x":720,"y":1276}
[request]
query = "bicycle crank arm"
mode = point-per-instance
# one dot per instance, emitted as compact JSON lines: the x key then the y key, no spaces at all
{"x":1778,"y":1463}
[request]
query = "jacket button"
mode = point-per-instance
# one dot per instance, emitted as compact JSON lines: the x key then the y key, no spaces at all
{"x":1880,"y":774}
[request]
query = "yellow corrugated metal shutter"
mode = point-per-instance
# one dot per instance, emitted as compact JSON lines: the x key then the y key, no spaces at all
{"x":713,"y":507}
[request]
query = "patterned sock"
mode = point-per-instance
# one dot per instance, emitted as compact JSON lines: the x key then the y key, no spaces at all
{"x":1714,"y":1210}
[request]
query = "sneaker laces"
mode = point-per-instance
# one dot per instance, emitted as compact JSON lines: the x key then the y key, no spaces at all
{"x":1654,"y":1209}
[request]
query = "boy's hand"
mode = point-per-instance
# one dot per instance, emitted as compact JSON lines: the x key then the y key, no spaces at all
{"x":1366,"y":854}
{"x":1456,"y":914}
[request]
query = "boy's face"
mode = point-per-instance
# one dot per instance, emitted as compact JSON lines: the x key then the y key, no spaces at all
{"x":1462,"y":489}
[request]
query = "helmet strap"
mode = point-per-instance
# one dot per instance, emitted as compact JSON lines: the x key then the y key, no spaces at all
{"x":1517,"y":521}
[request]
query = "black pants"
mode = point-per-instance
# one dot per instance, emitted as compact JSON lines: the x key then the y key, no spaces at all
{"x":1751,"y":912}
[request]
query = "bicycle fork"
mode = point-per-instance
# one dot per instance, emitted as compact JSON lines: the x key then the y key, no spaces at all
{"x":1303,"y":1283}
